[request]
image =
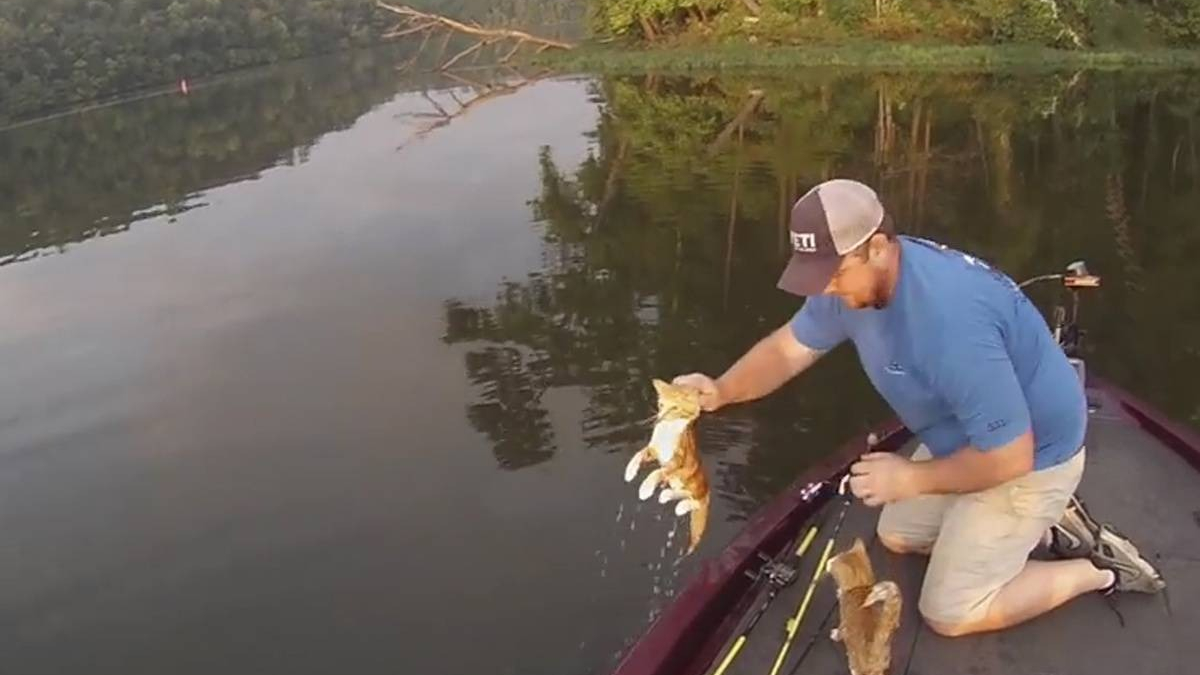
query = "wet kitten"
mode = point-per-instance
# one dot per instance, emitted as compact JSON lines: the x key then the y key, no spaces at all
{"x":673,"y":447}
{"x":869,"y":611}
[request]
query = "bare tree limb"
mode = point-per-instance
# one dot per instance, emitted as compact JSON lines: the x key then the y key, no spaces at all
{"x":476,"y":30}
{"x":466,"y":52}
{"x":395,"y":33}
{"x":512,"y":51}
{"x":420,"y":50}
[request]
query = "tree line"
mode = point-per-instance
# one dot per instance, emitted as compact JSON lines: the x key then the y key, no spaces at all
{"x":70,"y":179}
{"x":57,"y":52}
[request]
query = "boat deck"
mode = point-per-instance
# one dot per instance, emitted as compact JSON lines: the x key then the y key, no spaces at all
{"x":1132,"y":481}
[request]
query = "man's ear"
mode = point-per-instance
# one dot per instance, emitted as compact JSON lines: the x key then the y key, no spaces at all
{"x":877,"y":245}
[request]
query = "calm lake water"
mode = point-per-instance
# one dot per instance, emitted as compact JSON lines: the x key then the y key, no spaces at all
{"x":307,"y":373}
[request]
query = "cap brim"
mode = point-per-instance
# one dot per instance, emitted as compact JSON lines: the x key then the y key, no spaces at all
{"x":808,"y":275}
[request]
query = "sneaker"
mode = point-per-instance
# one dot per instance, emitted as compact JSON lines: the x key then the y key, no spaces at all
{"x":1075,"y":534}
{"x":1115,"y":552}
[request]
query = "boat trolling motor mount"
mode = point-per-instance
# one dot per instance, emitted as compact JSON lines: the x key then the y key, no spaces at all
{"x":1067,"y":332}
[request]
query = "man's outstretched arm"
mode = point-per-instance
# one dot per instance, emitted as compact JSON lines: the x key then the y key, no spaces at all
{"x":770,"y":363}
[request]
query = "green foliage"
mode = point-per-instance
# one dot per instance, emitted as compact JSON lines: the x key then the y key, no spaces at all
{"x":895,"y":23}
{"x":621,"y":17}
{"x":794,"y":7}
{"x":62,"y":51}
{"x":1023,"y":21}
{"x":1069,"y":24}
{"x":861,"y":54}
{"x":1113,"y":25}
{"x":850,"y":12}
{"x":1179,"y":21}
{"x":778,"y":27}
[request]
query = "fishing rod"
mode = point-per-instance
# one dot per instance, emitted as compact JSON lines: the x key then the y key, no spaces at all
{"x":793,"y":624}
{"x":778,"y":576}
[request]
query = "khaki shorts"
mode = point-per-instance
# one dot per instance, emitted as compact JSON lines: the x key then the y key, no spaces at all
{"x":978,"y":541}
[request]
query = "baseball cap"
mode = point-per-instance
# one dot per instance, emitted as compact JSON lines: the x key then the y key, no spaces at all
{"x":828,"y":222}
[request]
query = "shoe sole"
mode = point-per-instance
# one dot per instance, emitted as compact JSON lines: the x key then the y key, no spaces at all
{"x":1124,"y":556}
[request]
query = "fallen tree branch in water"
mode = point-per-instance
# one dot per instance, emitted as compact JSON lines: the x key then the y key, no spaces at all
{"x":416,"y":21}
{"x":756,"y":97}
{"x":483,"y":92}
{"x":457,"y":57}
{"x":416,"y":29}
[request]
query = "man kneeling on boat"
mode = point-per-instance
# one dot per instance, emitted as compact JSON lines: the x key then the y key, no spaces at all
{"x":969,"y":364}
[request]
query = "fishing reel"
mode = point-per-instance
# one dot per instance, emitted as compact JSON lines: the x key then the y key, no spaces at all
{"x":778,"y":574}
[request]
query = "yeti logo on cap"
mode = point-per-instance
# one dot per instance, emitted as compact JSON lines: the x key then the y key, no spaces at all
{"x":804,"y":242}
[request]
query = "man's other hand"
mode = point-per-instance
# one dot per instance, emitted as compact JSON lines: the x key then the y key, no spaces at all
{"x":880,"y":478}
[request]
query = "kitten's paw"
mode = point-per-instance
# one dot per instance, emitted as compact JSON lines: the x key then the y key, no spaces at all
{"x":835,"y":635}
{"x":670,"y":494}
{"x":647,"y":487}
{"x":634,"y":464}
{"x":686,"y":506}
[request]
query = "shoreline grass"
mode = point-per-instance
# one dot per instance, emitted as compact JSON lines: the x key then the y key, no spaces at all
{"x":624,"y":58}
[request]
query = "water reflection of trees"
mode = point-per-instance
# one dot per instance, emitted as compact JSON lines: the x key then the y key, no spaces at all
{"x":662,"y":247}
{"x":95,"y":173}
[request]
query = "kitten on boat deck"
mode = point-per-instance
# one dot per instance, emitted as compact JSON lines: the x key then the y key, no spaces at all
{"x":869,"y":611}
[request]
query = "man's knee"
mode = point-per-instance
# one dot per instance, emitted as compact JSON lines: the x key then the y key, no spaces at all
{"x":893,"y":543}
{"x":952,"y":615}
{"x":897,"y":544}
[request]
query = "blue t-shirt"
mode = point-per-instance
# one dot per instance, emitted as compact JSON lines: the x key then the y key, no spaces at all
{"x":960,"y":354}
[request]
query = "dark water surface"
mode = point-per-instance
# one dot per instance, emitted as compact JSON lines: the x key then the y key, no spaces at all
{"x":292,"y":386}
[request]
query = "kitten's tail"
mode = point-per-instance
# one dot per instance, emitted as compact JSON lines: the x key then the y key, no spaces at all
{"x":886,"y":592}
{"x":699,"y":521}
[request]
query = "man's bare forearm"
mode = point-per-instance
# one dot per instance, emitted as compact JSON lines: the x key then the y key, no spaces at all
{"x":776,"y":359}
{"x":972,"y":470}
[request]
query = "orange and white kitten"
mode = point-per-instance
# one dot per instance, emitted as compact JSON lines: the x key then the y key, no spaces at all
{"x":869,"y":611}
{"x":673,"y":447}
